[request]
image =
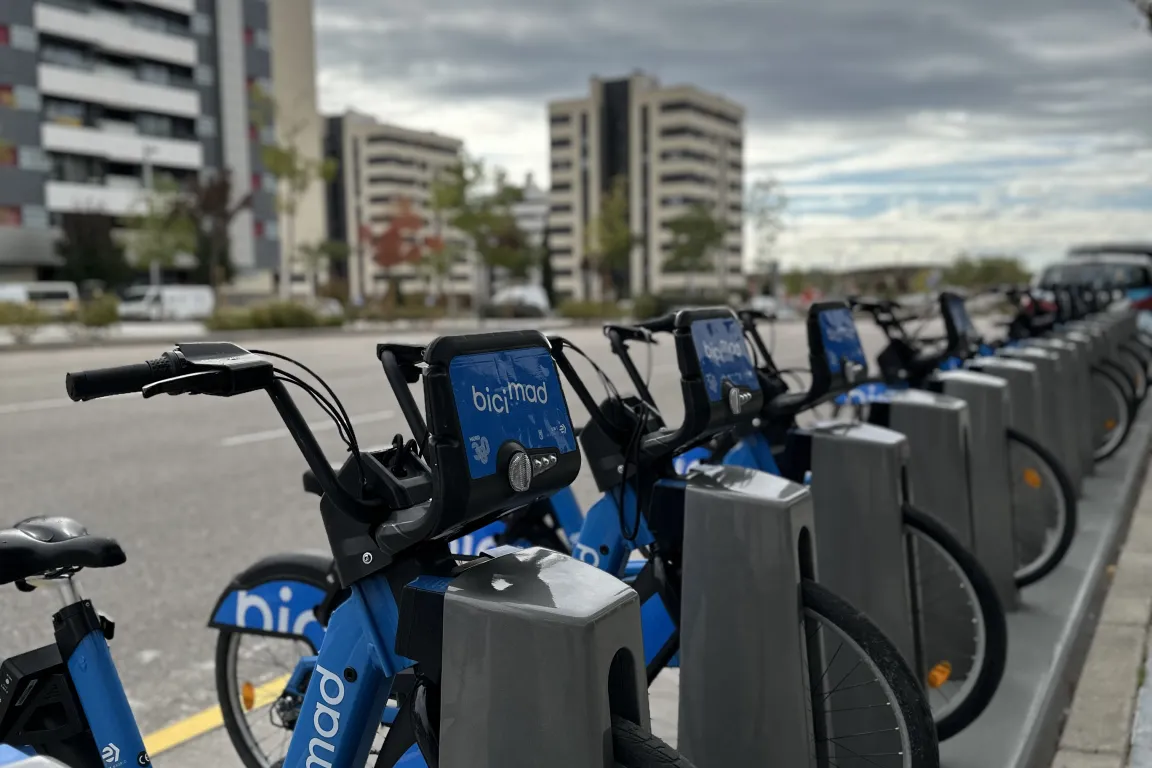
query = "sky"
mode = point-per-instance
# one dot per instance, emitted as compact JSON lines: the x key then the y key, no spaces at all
{"x":901,"y":131}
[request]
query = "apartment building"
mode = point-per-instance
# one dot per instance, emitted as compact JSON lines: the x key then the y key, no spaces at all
{"x":98,"y":98}
{"x":677,"y":146}
{"x":381,"y":168}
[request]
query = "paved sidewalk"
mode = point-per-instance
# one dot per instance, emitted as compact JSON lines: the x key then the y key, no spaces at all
{"x":1109,"y":724}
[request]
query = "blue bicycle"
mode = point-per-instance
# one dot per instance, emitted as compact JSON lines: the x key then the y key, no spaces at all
{"x":635,"y":531}
{"x":389,"y":516}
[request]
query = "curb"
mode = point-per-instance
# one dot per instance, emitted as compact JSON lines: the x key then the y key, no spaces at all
{"x":1051,"y":632}
{"x":543,"y":324}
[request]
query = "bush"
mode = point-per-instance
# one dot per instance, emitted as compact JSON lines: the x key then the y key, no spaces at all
{"x":273,"y":314}
{"x":100,"y":312}
{"x":589,"y":310}
{"x":382,"y":312}
{"x":647,"y":306}
{"x":21,"y":320}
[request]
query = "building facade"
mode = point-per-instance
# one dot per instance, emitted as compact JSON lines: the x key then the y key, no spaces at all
{"x":677,"y":146}
{"x":100,"y":98}
{"x":382,"y":168}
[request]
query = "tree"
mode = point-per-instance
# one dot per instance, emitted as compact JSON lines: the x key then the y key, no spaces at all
{"x":985,"y":272}
{"x":89,"y":250}
{"x":609,"y":239}
{"x":164,"y":230}
{"x":317,"y":256}
{"x":695,"y":234}
{"x":461,"y":201}
{"x":547,"y":271}
{"x":767,"y":203}
{"x":208,"y":203}
{"x":295,"y":171}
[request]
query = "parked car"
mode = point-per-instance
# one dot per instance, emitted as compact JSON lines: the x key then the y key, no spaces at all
{"x":51,"y":297}
{"x":167,"y":302}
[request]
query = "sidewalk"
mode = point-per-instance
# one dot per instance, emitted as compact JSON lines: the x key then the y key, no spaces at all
{"x":1109,"y":724}
{"x":61,"y":336}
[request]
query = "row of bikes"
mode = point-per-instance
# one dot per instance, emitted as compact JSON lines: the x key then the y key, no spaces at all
{"x":469,"y":611}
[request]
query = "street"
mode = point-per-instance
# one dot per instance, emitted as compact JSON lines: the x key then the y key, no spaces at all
{"x":197,"y":488}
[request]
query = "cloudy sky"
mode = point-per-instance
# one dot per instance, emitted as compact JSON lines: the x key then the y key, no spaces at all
{"x":901,"y":130}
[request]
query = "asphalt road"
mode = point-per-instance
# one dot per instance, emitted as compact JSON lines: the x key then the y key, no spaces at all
{"x":196,"y":488}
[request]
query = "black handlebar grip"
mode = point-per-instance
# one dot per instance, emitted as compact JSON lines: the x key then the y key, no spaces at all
{"x":664,"y":324}
{"x":121,"y":380}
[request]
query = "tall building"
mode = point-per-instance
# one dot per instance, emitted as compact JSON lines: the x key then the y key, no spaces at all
{"x":98,"y":98}
{"x":677,"y":146}
{"x":382,"y":167}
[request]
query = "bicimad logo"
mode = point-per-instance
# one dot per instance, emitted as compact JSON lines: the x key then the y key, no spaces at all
{"x":500,"y":401}
{"x":725,"y":351}
{"x":279,"y":621}
{"x":325,"y":719}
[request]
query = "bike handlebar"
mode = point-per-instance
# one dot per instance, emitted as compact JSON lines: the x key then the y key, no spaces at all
{"x":122,"y":379}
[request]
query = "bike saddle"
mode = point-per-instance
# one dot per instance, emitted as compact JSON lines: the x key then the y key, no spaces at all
{"x":41,"y":545}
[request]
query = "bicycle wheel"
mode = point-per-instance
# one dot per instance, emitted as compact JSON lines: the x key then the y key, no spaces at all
{"x":633,"y":747}
{"x":963,"y":633}
{"x":1136,"y":370}
{"x":868,"y":707}
{"x":1043,"y":508}
{"x":1111,"y":413}
{"x":1124,"y":379}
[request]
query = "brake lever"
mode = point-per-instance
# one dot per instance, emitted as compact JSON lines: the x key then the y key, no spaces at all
{"x":181,"y":385}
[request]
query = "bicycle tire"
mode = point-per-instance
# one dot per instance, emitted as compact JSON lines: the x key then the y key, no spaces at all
{"x":1118,"y":434}
{"x":1136,"y":370}
{"x":891,"y":667}
{"x":634,"y":747}
{"x":991,"y":612}
{"x":1123,"y":379}
{"x":1033,"y":572}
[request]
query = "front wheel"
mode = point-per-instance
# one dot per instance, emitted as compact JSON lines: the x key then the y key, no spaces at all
{"x":869,"y":710}
{"x":962,"y":627}
{"x":1111,"y":413}
{"x":634,"y":747}
{"x":1043,"y":508}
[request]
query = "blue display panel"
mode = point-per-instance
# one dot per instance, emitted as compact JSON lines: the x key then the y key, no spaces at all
{"x":509,"y":395}
{"x":841,"y":342}
{"x":723,"y":354}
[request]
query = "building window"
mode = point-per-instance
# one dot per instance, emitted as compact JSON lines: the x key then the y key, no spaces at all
{"x":9,"y":216}
{"x":561,"y":165}
{"x":9,"y":155}
{"x":201,"y":24}
{"x":7,"y":97}
{"x":263,"y":42}
{"x":5,"y":38}
{"x":561,"y":208}
{"x":249,"y":36}
{"x":205,"y":75}
{"x":561,"y":186}
{"x":561,"y":143}
{"x":271,"y":231}
{"x":206,"y":127}
{"x":561,"y":119}
{"x":560,"y":230}
{"x":35,"y":216}
{"x":23,"y":38}
{"x":34,"y":159}
{"x":27,"y":98}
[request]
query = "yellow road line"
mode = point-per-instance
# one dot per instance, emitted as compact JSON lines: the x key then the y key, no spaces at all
{"x":209,"y":720}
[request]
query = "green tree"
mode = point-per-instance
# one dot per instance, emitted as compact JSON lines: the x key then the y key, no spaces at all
{"x":164,"y":230}
{"x":466,"y":198}
{"x":90,"y":251}
{"x":317,"y":256}
{"x":609,"y":239}
{"x":547,"y":270}
{"x":294,"y":169}
{"x":767,"y":204}
{"x":985,"y":272}
{"x":793,"y":281}
{"x":696,"y":233}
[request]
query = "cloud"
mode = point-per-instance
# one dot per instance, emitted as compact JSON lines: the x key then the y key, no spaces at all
{"x":896,"y":126}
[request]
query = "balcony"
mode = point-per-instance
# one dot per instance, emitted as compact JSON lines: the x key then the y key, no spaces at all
{"x":120,"y":199}
{"x":118,"y":92}
{"x":122,"y":146}
{"x":187,"y":7}
{"x":110,"y":33}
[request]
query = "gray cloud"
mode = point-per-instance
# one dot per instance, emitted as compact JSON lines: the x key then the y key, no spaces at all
{"x":787,"y":61}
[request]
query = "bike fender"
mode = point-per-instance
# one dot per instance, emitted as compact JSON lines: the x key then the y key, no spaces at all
{"x":278,"y":596}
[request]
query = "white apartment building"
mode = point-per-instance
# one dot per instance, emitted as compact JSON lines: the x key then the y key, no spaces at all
{"x":380,"y":166}
{"x":98,"y":98}
{"x":677,"y":146}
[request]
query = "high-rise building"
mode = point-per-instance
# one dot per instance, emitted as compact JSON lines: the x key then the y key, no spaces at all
{"x":677,"y":146}
{"x":99,"y":98}
{"x":382,"y":168}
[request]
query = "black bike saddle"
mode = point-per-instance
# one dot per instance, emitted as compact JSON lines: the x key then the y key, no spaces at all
{"x":41,"y":545}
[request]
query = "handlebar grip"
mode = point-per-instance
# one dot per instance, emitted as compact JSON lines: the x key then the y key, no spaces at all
{"x":665,"y":324}
{"x":121,"y":380}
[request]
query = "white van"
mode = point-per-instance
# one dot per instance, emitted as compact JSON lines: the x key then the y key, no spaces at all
{"x":167,"y":302}
{"x":51,"y":297}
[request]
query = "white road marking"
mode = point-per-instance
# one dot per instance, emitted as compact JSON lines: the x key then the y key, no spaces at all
{"x":327,"y":425}
{"x":34,"y":405}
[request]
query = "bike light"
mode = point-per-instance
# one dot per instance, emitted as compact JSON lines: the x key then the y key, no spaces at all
{"x":520,"y":472}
